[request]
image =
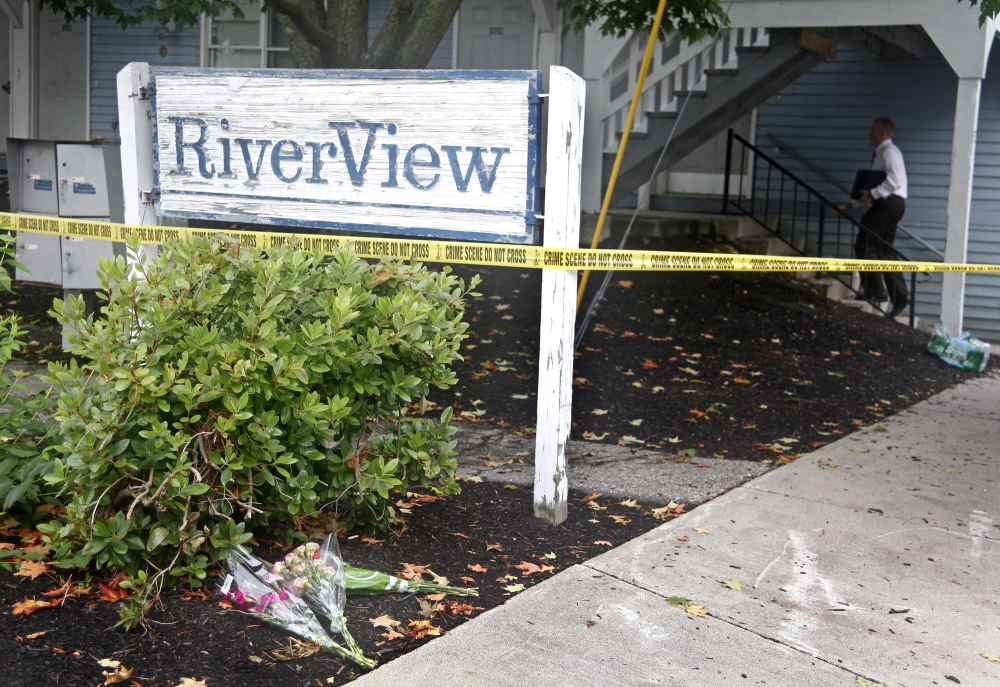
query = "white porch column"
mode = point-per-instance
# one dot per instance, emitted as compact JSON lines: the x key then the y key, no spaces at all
{"x":24,"y":71}
{"x":963,"y":156}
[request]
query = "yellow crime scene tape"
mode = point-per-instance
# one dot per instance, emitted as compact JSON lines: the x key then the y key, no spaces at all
{"x":491,"y":254}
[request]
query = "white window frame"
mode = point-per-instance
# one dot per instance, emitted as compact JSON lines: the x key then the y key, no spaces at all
{"x":262,"y":46}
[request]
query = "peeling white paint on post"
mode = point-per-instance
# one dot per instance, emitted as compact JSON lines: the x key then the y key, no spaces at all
{"x":564,"y":158}
{"x":449,"y":154}
{"x":135,"y":126}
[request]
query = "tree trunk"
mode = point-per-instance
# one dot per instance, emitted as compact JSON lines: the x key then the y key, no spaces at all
{"x":348,"y":21}
{"x":337,"y":38}
{"x":430,"y":22}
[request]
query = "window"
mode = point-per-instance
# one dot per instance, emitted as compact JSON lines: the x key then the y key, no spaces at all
{"x":256,"y":40}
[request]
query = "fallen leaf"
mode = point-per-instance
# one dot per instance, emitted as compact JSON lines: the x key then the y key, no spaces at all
{"x":514,"y":588}
{"x":411,"y":571}
{"x":119,"y":674}
{"x":191,"y":682}
{"x":657,"y":311}
{"x":590,"y":436}
{"x":520,"y":397}
{"x":701,"y":531}
{"x":528,"y":568}
{"x":595,"y":411}
{"x":459,"y":608}
{"x":591,"y":496}
{"x":879,"y":428}
{"x":468,"y":580}
{"x":695,"y":610}
{"x":436,"y":597}
{"x":6,"y":546}
{"x":384,"y":621}
{"x":32,"y":569}
{"x":476,"y":568}
{"x":34,"y":635}
{"x":112,"y":592}
{"x":371,"y":541}
{"x":620,"y":519}
{"x":732,"y":584}
{"x":590,"y":623}
{"x":864,"y":682}
{"x":67,"y":589}
{"x":625,"y":284}
{"x":29,"y":606}
{"x":678,"y":600}
{"x":682,"y":537}
{"x":549,"y":555}
{"x":629,"y":503}
{"x":991,"y":657}
{"x":649,"y":364}
{"x":391,"y":634}
{"x":602,"y":542}
{"x":636,"y":422}
{"x":256,"y":659}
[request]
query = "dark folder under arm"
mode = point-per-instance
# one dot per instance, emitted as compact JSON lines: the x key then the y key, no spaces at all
{"x":866,"y":180}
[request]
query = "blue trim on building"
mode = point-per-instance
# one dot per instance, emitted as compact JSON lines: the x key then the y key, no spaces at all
{"x":509,"y":213}
{"x":427,"y":232}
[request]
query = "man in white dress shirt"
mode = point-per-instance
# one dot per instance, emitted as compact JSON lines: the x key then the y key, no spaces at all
{"x":887,"y":203}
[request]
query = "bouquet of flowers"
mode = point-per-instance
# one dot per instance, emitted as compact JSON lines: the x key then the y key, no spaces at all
{"x":360,"y":581}
{"x":317,"y":573}
{"x":253,"y":589}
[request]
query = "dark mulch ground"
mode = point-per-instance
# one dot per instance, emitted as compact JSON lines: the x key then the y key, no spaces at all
{"x":746,"y":366}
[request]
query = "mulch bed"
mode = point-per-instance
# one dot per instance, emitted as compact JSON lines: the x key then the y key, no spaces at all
{"x":742,"y":366}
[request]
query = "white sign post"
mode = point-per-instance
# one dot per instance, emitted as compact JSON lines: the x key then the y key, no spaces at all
{"x":442,"y":154}
{"x":564,"y":159}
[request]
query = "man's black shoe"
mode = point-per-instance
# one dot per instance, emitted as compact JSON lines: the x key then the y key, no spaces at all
{"x":899,"y":307}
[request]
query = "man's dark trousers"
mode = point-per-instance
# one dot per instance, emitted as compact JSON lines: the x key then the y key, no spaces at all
{"x":876,"y":244}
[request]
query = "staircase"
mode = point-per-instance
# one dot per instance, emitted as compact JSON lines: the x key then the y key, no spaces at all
{"x":726,"y":79}
{"x":786,"y":210}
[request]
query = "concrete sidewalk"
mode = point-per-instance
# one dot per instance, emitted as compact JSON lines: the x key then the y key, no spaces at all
{"x":875,"y":557}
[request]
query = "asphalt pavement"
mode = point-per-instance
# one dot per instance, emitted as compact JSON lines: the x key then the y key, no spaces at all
{"x":874,"y":559}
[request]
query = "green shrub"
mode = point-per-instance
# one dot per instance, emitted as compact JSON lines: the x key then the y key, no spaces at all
{"x":223,"y":390}
{"x":25,"y":421}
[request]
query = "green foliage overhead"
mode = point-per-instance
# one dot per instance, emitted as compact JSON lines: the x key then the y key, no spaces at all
{"x":988,"y":9}
{"x":691,"y":18}
{"x":178,"y":12}
{"x":224,"y":390}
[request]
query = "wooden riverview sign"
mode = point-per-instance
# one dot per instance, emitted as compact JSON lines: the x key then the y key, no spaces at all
{"x":448,"y":154}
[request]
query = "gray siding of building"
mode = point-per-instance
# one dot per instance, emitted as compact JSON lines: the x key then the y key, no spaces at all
{"x":825,"y":117}
{"x":112,"y":47}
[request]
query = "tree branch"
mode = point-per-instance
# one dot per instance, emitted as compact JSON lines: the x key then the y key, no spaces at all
{"x":390,"y":37}
{"x":309,"y":27}
{"x":430,"y":22}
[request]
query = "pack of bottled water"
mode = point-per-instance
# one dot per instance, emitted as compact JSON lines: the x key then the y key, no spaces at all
{"x":965,"y":351}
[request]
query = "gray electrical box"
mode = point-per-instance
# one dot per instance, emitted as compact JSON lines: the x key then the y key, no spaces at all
{"x":64,"y":179}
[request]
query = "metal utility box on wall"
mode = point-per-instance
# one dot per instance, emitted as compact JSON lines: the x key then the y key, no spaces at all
{"x":64,"y":179}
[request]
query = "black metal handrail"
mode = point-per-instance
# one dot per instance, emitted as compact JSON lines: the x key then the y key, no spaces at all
{"x":794,"y":212}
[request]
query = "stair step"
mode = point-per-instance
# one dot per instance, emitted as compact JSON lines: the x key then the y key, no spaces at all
{"x":751,"y":48}
{"x":661,"y":115}
{"x":693,"y":93}
{"x":716,"y":77}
